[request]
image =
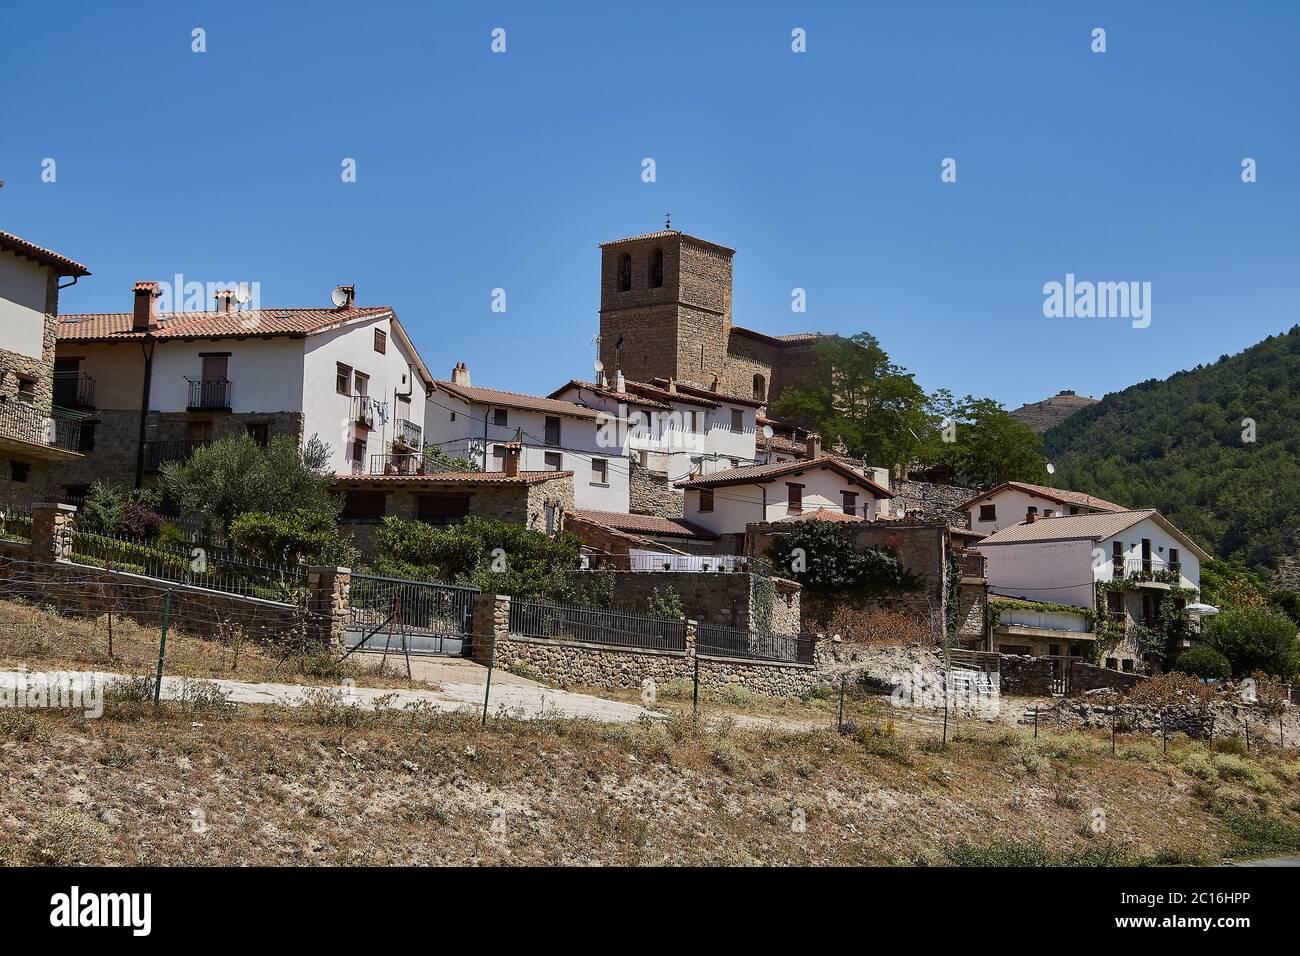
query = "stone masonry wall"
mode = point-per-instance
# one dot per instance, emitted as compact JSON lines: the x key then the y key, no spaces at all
{"x":933,"y":500}
{"x":727,"y":599}
{"x":651,"y":493}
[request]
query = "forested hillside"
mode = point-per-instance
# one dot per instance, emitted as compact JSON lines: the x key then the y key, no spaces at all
{"x":1216,"y":449}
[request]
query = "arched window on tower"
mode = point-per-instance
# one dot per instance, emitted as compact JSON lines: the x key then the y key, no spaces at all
{"x":656,"y":269}
{"x":624,"y":272}
{"x":760,"y":389}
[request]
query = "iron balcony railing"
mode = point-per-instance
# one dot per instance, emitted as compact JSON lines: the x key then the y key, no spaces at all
{"x":1150,"y":569}
{"x":74,"y":390}
{"x":398,"y":463}
{"x":593,"y":625}
{"x":209,"y":393}
{"x":363,"y":411}
{"x":407,"y":433}
{"x":51,"y":427}
{"x":159,"y":453}
{"x":711,"y":640}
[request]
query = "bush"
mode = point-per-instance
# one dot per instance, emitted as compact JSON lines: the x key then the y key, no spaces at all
{"x":112,"y":510}
{"x":293,"y":537}
{"x":825,"y":559}
{"x":665,"y":602}
{"x":1203,"y":661}
{"x":137,"y":521}
{"x":1254,"y":640}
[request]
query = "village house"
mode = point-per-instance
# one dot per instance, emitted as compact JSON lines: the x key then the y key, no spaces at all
{"x":1012,"y":501}
{"x":156,"y":386}
{"x":1117,"y":566}
{"x":38,"y":425}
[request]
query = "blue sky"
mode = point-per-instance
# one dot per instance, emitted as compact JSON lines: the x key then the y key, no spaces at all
{"x":477,"y":171}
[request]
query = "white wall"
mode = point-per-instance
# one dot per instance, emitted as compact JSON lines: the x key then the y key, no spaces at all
{"x":329,"y":414}
{"x":1012,"y":505}
{"x":581,"y":441}
{"x":22,"y":305}
{"x":735,"y":506}
{"x":1056,"y":571}
{"x":1161,"y":542}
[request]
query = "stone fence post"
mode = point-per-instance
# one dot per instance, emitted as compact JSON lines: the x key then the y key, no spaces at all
{"x":690,"y":637}
{"x":52,"y":532}
{"x":329,"y":604}
{"x":490,"y":623}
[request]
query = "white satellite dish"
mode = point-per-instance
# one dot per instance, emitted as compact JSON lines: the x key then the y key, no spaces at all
{"x":767,"y":431}
{"x":339,"y":297}
{"x":1051,"y":469}
{"x":598,"y":365}
{"x":243,"y":293}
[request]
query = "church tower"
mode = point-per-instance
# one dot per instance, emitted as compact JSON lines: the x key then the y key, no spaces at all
{"x":665,"y":307}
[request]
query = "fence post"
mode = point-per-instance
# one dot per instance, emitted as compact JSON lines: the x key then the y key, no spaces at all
{"x":52,"y":532}
{"x":329,"y":605}
{"x":490,"y":621}
{"x":693,"y":659}
{"x":162,"y":647}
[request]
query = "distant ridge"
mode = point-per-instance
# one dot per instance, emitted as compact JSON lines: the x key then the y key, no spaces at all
{"x":1050,"y":412}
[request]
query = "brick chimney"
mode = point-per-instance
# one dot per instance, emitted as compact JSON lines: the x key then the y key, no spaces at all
{"x":513,"y":450}
{"x":812,"y":446}
{"x":146,"y":306}
{"x":460,"y":374}
{"x":225,"y":299}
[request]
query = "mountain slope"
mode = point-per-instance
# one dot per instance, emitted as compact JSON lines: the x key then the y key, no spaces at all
{"x":1184,"y":446}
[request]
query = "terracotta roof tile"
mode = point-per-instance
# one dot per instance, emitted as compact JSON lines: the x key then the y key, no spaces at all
{"x":820,"y":514}
{"x":60,"y":264}
{"x":518,"y":400}
{"x":665,"y":234}
{"x":752,"y":474}
{"x":1058,"y":495}
{"x":458,"y":478}
{"x":116,"y":326}
{"x":643,"y":524}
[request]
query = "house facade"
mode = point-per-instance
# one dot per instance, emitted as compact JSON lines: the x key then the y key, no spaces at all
{"x":1012,"y":502}
{"x":36,"y":431}
{"x":156,"y":386}
{"x":1120,"y":567}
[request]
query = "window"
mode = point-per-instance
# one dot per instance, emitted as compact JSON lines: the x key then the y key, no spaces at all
{"x":442,"y":509}
{"x":360,"y":383}
{"x":1174,"y":563}
{"x":451,"y":416}
{"x":554,"y":461}
{"x":381,"y":341}
{"x":1128,"y":665}
{"x":850,"y":502}
{"x":988,"y":512}
{"x":552,"y":430}
{"x":735,"y":462}
{"x":261,"y":433}
{"x":86,"y":437}
{"x":358,"y":454}
{"x":760,"y":389}
{"x":794,"y":497}
{"x":499,"y":457}
{"x":364,"y":506}
{"x":18,"y":471}
{"x":599,"y":471}
{"x":343,"y":379}
{"x":706,"y":499}
{"x":1112,"y":663}
{"x":215,"y":367}
{"x":625,"y":272}
{"x":499,"y":417}
{"x":737,"y":420}
{"x":1073,"y":510}
{"x":200,"y":431}
{"x":656,"y":269}
{"x":26,"y":389}
{"x":550,"y":511}
{"x":1048,"y":512}
{"x":1033,"y":510}
{"x":693,"y":421}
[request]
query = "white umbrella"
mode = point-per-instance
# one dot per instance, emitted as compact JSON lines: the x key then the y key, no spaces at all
{"x":1202,"y":610}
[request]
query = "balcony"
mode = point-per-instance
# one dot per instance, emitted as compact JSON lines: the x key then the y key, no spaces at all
{"x":1153,"y":571}
{"x":407,"y":433}
{"x":397,"y":463}
{"x":209,"y":394}
{"x":74,"y":390}
{"x":159,"y":453}
{"x":44,"y":433}
{"x":363,"y":411}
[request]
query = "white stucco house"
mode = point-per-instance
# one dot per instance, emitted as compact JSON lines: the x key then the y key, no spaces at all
{"x":156,"y":386}
{"x":474,"y":423}
{"x":725,"y":502}
{"x":1128,"y":562}
{"x":1013,"y":501}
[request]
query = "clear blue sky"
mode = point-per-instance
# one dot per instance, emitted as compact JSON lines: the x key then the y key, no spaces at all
{"x":478,"y":171}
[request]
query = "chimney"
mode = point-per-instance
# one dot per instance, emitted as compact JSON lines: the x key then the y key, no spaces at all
{"x":620,"y":383}
{"x":717,"y":384}
{"x":672,"y":385}
{"x":812,"y":446}
{"x":224,"y":299}
{"x":146,"y":307}
{"x":349,"y":296}
{"x":512,"y":459}
{"x":460,"y":374}
{"x":1031,"y":516}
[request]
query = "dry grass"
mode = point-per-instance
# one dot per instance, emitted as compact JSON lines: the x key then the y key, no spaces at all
{"x":42,"y":639}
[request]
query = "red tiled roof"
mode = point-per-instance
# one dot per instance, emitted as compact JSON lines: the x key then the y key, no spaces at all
{"x":518,"y":400}
{"x":1058,"y":495}
{"x":821,"y":514}
{"x":700,"y":392}
{"x":756,"y":474}
{"x":791,"y":339}
{"x":642,"y":524}
{"x":608,"y":392}
{"x":60,"y":264}
{"x":665,"y":234}
{"x":116,"y":326}
{"x":460,"y":477}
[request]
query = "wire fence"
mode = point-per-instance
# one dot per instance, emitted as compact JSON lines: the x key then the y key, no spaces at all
{"x":712,"y":640}
{"x":198,"y":566}
{"x":596,"y":625}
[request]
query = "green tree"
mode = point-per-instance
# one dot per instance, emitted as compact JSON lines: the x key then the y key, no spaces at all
{"x":293,"y":537}
{"x":987,"y":445}
{"x":1255,"y":640}
{"x":1200,"y":660}
{"x":825,"y":559}
{"x":235,"y":476}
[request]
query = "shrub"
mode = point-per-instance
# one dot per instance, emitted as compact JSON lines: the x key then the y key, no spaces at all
{"x":1255,"y":640}
{"x":665,"y":602}
{"x":137,"y":521}
{"x":291,"y":537}
{"x":1204,"y":661}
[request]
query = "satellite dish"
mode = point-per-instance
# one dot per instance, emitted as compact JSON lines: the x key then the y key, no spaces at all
{"x":339,"y":297}
{"x":598,"y":365}
{"x":243,"y":293}
{"x":1051,"y":469}
{"x":767,"y":431}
